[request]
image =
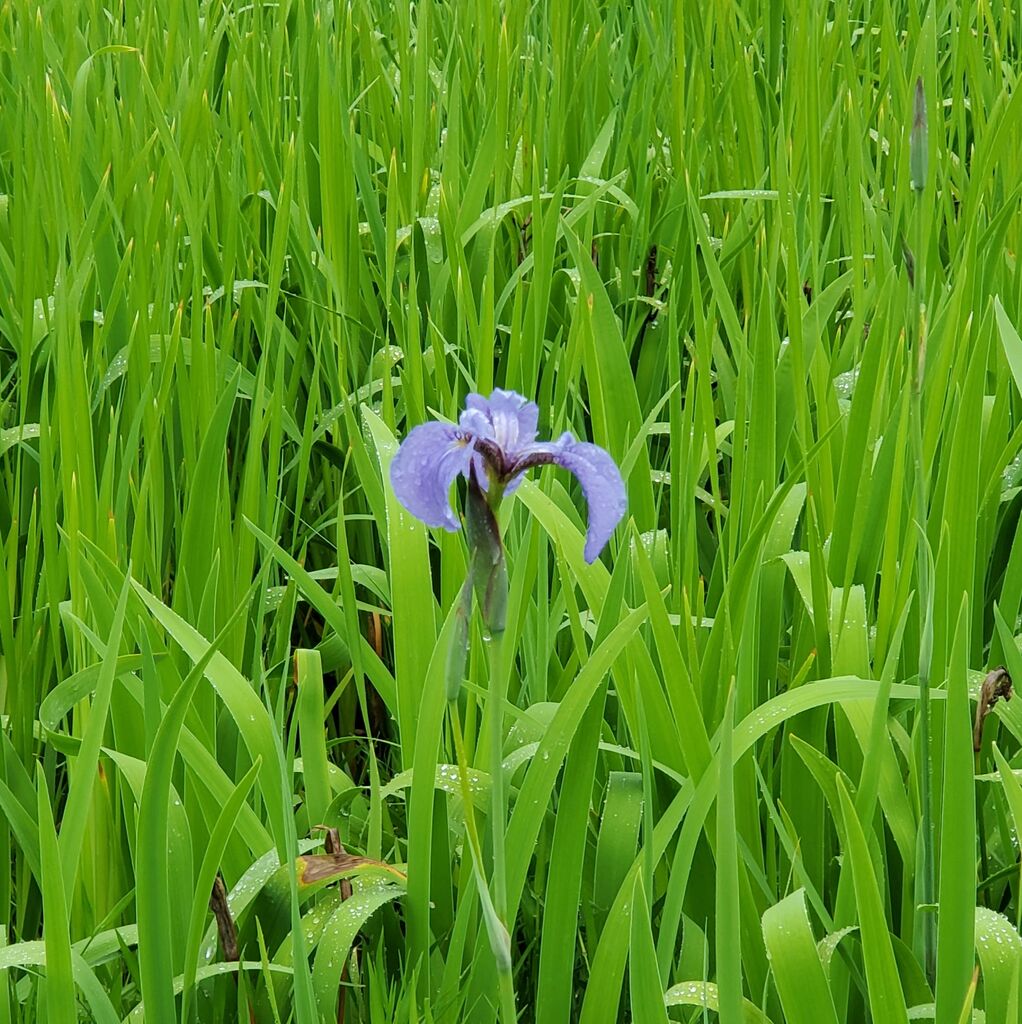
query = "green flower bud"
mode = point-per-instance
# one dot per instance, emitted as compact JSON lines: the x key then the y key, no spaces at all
{"x":488,"y":567}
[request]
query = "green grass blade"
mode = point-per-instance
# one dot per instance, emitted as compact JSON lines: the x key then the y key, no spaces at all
{"x":60,"y":989}
{"x":884,"y":986}
{"x":797,"y":969}
{"x":957,"y":887}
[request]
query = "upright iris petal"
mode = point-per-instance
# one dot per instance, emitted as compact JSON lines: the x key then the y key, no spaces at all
{"x":497,"y":436}
{"x":513,"y":417}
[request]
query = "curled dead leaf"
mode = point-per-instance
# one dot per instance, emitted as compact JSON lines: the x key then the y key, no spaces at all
{"x":324,"y":867}
{"x":996,"y":686}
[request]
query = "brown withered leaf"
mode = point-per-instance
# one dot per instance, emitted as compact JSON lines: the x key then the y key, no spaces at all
{"x":322,"y":867}
{"x":996,"y":686}
{"x":332,"y":839}
{"x":224,"y":920}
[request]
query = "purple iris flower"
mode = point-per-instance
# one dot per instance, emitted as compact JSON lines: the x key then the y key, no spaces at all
{"x":494,"y":442}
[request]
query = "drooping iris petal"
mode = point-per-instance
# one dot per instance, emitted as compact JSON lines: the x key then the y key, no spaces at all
{"x":425,"y":466}
{"x":599,"y":476}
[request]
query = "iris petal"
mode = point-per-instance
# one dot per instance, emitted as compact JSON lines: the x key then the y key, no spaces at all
{"x":479,"y":461}
{"x":599,"y":476}
{"x":425,"y":466}
{"x":476,"y":421}
{"x":512,"y":419}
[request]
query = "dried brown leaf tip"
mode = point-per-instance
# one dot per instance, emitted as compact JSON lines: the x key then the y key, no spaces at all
{"x":337,"y":863}
{"x":322,"y":867}
{"x":224,"y":920}
{"x":996,"y":686}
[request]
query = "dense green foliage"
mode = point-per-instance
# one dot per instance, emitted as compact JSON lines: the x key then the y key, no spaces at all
{"x":245,"y":247}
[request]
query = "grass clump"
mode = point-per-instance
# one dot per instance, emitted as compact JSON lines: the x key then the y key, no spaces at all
{"x":751,"y":770}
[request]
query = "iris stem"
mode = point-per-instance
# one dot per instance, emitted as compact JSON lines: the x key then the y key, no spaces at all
{"x":498,"y":813}
{"x":508,"y":1013}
